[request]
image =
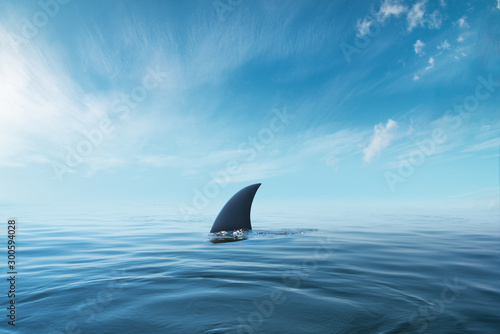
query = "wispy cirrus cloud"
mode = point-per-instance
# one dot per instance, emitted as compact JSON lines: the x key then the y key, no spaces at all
{"x":455,"y":144}
{"x":493,"y":143}
{"x":47,"y":110}
{"x":255,"y":171}
{"x":382,"y":137}
{"x":223,"y":77}
{"x":192,"y":160}
{"x":253,"y":164}
{"x":40,"y":104}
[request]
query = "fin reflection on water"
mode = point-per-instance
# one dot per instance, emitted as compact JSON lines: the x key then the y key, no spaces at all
{"x":231,"y":236}
{"x":239,"y":235}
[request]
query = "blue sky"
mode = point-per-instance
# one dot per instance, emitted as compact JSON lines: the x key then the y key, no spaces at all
{"x":341,"y":103}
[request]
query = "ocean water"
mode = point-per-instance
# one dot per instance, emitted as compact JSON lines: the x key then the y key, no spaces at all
{"x":152,"y":271}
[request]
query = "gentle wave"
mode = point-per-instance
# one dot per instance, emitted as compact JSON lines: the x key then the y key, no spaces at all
{"x":139,"y":274}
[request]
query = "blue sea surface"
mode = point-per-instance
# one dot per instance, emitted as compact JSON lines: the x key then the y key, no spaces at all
{"x":150,"y":270}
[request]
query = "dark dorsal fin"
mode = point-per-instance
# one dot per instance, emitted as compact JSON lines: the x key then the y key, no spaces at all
{"x":235,"y":214}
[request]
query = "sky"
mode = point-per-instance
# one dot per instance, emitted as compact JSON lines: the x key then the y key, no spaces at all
{"x":333,"y":103}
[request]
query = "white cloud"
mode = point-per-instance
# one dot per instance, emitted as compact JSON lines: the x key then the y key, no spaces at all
{"x":390,"y":7}
{"x":430,"y":64}
{"x":462,"y":22}
{"x":442,"y":3}
{"x":460,"y":38}
{"x":418,"y":46}
{"x":363,"y":26}
{"x":498,"y":4}
{"x":382,"y":137}
{"x":416,"y":15}
{"x":434,"y":20}
{"x":387,"y":9}
{"x":444,"y":46}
